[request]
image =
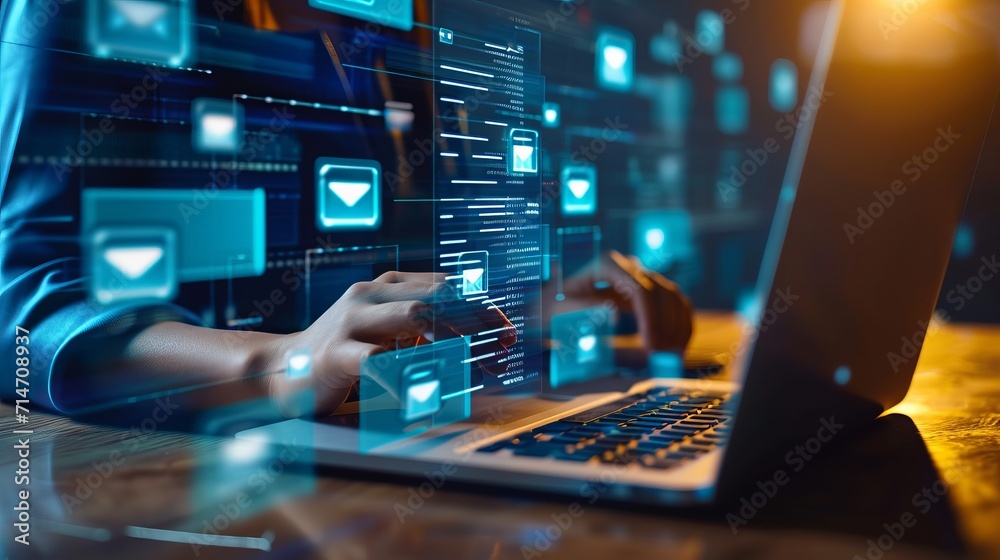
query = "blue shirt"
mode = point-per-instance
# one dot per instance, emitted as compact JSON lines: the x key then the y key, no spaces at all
{"x":42,"y":287}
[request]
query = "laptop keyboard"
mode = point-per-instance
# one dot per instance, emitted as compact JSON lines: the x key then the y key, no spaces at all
{"x":658,"y":429}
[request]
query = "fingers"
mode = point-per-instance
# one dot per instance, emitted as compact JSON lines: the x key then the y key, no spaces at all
{"x":663,"y":315}
{"x":383,"y":292}
{"x":333,"y":373}
{"x":419,"y":277}
{"x":387,"y":323}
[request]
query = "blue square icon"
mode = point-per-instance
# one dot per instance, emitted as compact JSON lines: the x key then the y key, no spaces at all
{"x":422,"y":390}
{"x":132,"y":263}
{"x":348,"y":194}
{"x":394,"y":13}
{"x":551,"y":115}
{"x":446,"y":36}
{"x":615,"y":56}
{"x":406,"y":392}
{"x":732,"y":109}
{"x":580,"y":349}
{"x":579,"y":189}
{"x":216,"y":125}
{"x":299,"y":365}
{"x":153,"y":30}
{"x":474,"y":272}
{"x":661,"y":239}
{"x":522,"y":151}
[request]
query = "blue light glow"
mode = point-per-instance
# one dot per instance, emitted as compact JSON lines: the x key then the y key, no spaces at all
{"x":579,"y":189}
{"x":784,"y":91}
{"x":615,"y":59}
{"x":348,"y":194}
{"x":394,"y":13}
{"x":710,"y":31}
{"x":151,"y":30}
{"x":732,"y":109}
{"x":728,"y":68}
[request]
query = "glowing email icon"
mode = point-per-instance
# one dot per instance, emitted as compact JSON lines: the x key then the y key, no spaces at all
{"x":217,"y":125}
{"x":615,"y":59}
{"x":472,"y":281}
{"x":422,"y":400}
{"x":523,"y":151}
{"x":586,"y":349}
{"x":140,"y":14}
{"x":154,"y":30}
{"x":348,"y":194}
{"x":474,"y":272}
{"x":579,"y":189}
{"x":132,"y":263}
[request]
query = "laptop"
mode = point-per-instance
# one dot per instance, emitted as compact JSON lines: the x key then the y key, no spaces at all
{"x":876,"y":184}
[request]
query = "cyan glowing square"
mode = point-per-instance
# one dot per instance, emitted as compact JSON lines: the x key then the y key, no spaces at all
{"x":407,"y":392}
{"x":579,"y":189}
{"x":446,"y":36}
{"x":666,"y":48}
{"x":728,"y":68}
{"x":394,"y":13}
{"x":580,"y":349}
{"x":132,"y":263}
{"x":551,"y":115}
{"x":299,"y":365}
{"x":732,"y":109}
{"x":220,"y":234}
{"x":152,"y":30}
{"x":661,"y":239}
{"x":522,"y":151}
{"x":473,"y":272}
{"x":348,"y":194}
{"x":615,"y":58}
{"x":216,"y":125}
{"x":710,"y":31}
{"x":784,"y":91}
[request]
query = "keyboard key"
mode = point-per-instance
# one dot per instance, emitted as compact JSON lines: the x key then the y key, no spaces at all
{"x":534,"y":451}
{"x":683,"y":428}
{"x":691,"y":449}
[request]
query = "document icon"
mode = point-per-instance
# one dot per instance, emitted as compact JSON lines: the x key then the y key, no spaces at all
{"x":474,"y":269}
{"x":579,"y":189}
{"x":132,"y":263}
{"x":153,"y":30}
{"x":523,"y":151}
{"x":348,"y":194}
{"x":216,"y":125}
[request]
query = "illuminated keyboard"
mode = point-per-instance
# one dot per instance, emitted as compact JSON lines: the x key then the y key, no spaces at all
{"x":658,"y":429}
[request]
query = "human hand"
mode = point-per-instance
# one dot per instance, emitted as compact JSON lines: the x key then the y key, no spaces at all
{"x":396,"y":309}
{"x":664,"y":316}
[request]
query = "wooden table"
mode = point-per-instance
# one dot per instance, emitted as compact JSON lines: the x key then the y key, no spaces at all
{"x":106,"y":492}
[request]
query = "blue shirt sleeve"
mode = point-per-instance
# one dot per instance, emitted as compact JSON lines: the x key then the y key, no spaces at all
{"x":42,"y":283}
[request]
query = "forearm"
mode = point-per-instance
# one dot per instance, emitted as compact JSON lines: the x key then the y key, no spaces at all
{"x":209,"y":368}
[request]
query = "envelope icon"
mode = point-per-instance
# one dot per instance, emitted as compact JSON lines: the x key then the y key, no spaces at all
{"x":348,"y":192}
{"x":587,"y":349}
{"x":133,"y":262}
{"x":524,"y":158}
{"x":522,"y":151}
{"x":140,"y":15}
{"x":422,"y":400}
{"x":472,"y":281}
{"x":579,"y":187}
